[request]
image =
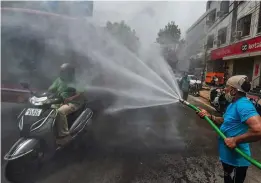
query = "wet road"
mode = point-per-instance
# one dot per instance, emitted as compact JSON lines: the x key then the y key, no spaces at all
{"x":163,"y":144}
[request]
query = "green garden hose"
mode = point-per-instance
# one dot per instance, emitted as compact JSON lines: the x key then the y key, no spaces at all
{"x":251,"y":160}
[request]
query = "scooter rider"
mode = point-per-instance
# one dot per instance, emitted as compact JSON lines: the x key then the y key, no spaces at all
{"x":72,"y":101}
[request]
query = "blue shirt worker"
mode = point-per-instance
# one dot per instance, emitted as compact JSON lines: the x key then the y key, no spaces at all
{"x":241,"y":124}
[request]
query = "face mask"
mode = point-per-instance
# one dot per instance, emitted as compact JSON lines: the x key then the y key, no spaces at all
{"x":229,"y":97}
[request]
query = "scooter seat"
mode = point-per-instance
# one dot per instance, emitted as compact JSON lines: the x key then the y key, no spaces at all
{"x":81,"y":121}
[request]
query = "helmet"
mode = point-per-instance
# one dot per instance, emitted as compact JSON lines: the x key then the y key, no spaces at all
{"x":67,"y":72}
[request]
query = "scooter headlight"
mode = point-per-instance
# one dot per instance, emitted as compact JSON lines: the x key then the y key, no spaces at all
{"x":37,"y":101}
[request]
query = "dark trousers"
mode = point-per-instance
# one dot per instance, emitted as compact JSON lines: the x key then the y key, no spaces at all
{"x":239,"y":173}
{"x":185,"y":95}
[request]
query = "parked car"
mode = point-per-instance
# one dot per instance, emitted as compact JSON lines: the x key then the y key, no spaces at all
{"x":194,"y":80}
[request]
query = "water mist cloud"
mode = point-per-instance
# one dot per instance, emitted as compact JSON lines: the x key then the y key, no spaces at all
{"x":105,"y":64}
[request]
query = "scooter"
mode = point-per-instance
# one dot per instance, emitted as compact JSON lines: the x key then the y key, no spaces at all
{"x":38,"y":134}
{"x":218,"y":100}
{"x":256,"y":104}
{"x":194,"y":89}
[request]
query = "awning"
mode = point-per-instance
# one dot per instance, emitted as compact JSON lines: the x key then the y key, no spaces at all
{"x":244,"y":55}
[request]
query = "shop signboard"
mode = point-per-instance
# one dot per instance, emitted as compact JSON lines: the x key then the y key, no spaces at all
{"x":247,"y":46}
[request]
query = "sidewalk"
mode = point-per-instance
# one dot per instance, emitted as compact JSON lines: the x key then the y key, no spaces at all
{"x":204,"y":94}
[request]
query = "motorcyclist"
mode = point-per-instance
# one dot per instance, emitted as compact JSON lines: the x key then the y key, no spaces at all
{"x":214,"y":80}
{"x":72,"y":100}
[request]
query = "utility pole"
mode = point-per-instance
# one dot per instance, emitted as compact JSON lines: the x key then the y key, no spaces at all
{"x":205,"y":65}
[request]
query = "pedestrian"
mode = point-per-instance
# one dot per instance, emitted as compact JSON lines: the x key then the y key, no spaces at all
{"x":241,"y":124}
{"x":185,"y":86}
{"x":214,"y":80}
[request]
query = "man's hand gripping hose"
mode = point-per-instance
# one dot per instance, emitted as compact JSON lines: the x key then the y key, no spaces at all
{"x":212,"y":124}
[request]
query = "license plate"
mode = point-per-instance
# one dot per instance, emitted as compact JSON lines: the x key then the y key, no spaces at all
{"x":33,"y":112}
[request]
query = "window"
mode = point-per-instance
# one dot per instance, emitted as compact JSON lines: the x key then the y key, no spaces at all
{"x":222,"y":35}
{"x":224,"y":7}
{"x":259,"y":19}
{"x":210,"y":41}
{"x":211,"y":17}
{"x":208,"y":5}
{"x":244,"y":24}
{"x":241,"y":2}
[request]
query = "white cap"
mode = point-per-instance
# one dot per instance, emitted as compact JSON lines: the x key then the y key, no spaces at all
{"x":237,"y":82}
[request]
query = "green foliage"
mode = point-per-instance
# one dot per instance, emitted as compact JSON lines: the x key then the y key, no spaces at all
{"x":170,"y":34}
{"x":124,"y":34}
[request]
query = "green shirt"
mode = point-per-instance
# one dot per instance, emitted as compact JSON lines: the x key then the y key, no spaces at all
{"x":61,"y":88}
{"x":185,"y":84}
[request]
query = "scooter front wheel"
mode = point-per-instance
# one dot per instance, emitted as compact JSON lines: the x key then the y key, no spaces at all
{"x":22,"y":170}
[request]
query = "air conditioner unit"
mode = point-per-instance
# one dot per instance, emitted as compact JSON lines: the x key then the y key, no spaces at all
{"x":217,"y":42}
{"x":237,"y":34}
{"x":234,"y":34}
{"x":220,"y":13}
{"x":209,"y":21}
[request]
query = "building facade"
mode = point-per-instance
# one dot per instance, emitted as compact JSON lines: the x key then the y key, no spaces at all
{"x":35,"y":42}
{"x":191,"y":55}
{"x":234,"y":39}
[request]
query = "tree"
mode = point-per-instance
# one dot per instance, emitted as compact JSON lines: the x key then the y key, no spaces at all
{"x":124,"y":34}
{"x":169,"y":39}
{"x":170,"y":34}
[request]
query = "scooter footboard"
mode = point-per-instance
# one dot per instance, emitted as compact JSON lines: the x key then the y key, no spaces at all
{"x":21,"y":148}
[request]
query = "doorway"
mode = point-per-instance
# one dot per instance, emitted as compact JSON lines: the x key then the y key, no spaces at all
{"x":244,"y":67}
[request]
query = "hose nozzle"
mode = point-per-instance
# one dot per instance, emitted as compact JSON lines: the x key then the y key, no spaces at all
{"x":183,"y":101}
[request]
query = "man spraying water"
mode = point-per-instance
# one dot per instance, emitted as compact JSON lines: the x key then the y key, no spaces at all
{"x":241,"y":124}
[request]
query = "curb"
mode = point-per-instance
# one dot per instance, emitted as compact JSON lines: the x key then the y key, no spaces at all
{"x":204,"y":97}
{"x":206,"y":88}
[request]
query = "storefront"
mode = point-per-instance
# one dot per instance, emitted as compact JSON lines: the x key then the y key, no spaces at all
{"x":216,"y":68}
{"x":243,"y":66}
{"x":241,"y":58}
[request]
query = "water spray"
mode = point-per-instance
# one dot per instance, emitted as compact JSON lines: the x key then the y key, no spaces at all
{"x":212,"y":124}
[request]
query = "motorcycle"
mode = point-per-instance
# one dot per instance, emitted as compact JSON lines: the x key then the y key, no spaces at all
{"x":218,"y":100}
{"x":38,"y":132}
{"x":256,"y":104}
{"x":194,"y":89}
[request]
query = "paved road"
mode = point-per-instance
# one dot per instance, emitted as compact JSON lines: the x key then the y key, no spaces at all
{"x":157,"y":145}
